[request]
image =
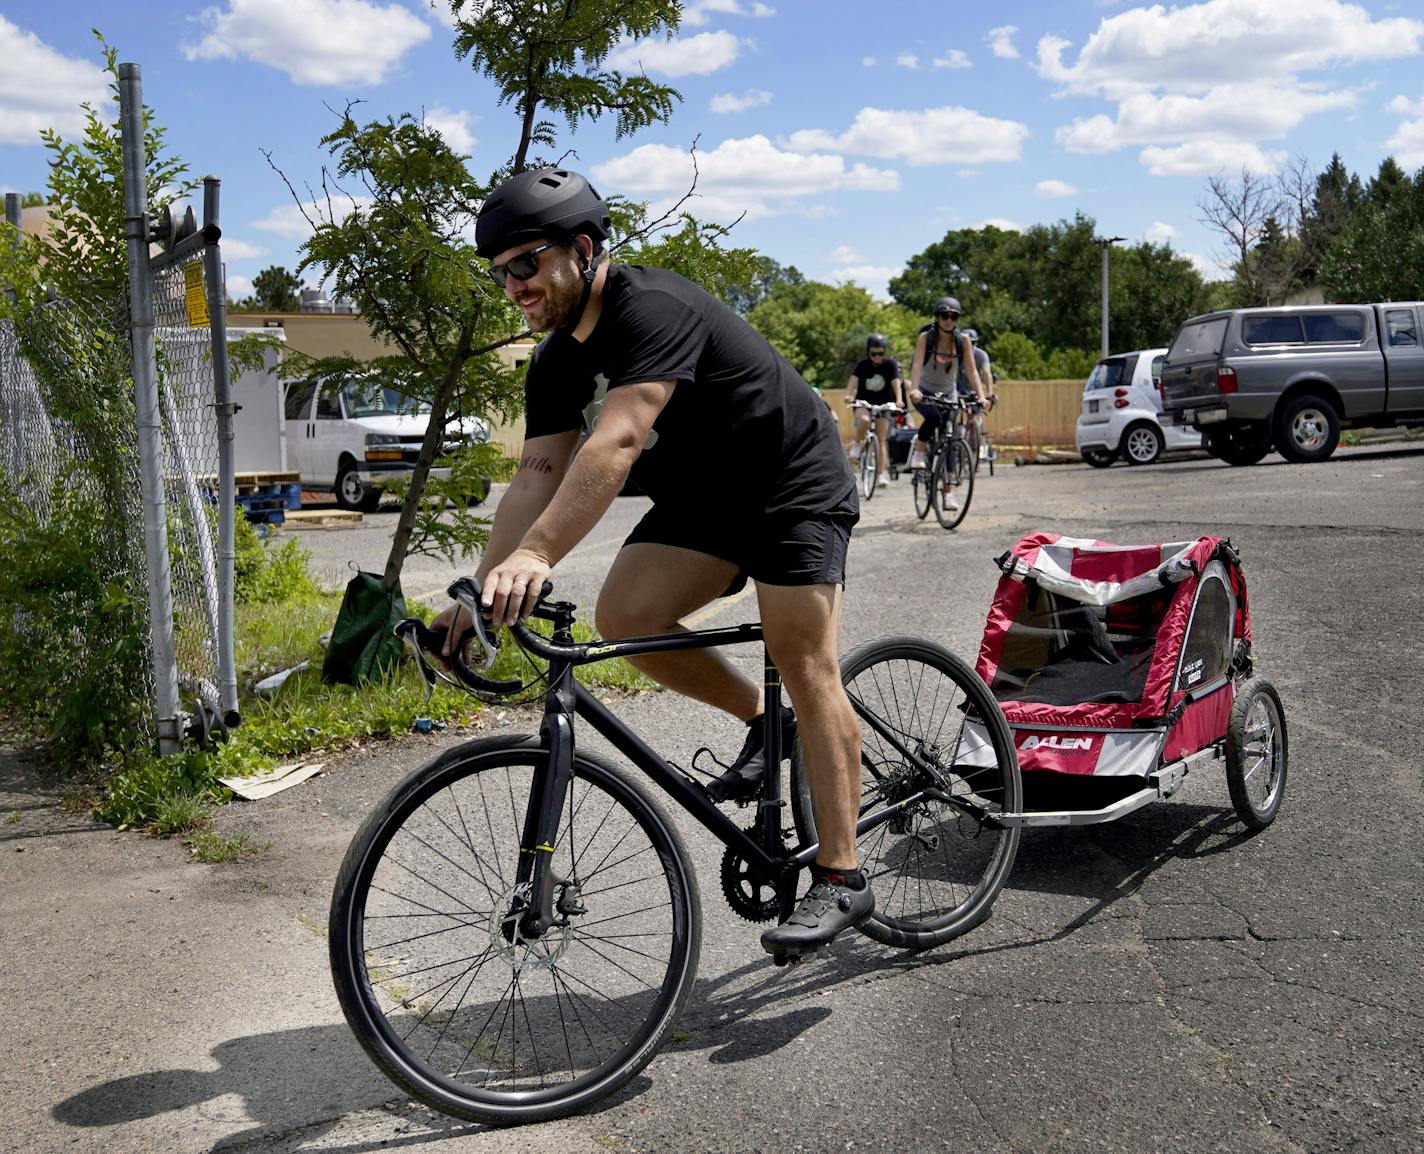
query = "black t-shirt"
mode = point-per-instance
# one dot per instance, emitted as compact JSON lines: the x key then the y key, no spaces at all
{"x":742,"y":430}
{"x":875,"y":380}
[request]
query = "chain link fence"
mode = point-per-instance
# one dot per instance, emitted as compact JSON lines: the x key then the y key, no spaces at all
{"x":70,"y":429}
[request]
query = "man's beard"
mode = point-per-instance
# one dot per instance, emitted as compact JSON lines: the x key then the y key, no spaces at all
{"x":562,"y":291}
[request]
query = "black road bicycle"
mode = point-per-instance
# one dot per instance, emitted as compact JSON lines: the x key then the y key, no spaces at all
{"x":516,"y":925}
{"x":946,"y":483}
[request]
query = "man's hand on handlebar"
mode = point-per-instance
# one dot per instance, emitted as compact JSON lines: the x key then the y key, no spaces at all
{"x":511,"y":590}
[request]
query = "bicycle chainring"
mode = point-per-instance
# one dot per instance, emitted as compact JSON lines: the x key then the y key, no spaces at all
{"x":748,"y":891}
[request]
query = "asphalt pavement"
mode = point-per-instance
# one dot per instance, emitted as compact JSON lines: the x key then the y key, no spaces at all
{"x":1166,"y":982}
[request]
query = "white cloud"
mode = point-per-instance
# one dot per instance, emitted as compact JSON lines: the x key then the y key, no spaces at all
{"x":1198,"y":47}
{"x":1159,"y":232}
{"x":1206,"y":157}
{"x":748,"y":175}
{"x":1211,"y":82}
{"x":241,"y":250}
{"x":312,"y":41}
{"x":698,"y":14}
{"x":967,"y":173}
{"x":1053,"y":188}
{"x":954,"y":58}
{"x":1001,"y":41}
{"x":867,"y":61}
{"x":40,"y":88}
{"x":932,"y":136}
{"x":1242,"y":112}
{"x":453,"y":126}
{"x":846,"y":254}
{"x":238,"y":286}
{"x":730,"y":102}
{"x":1406,"y":145}
{"x":1001,"y":223}
{"x":699,"y":55}
{"x":290,"y":220}
{"x":908,"y":60}
{"x":874,"y":278}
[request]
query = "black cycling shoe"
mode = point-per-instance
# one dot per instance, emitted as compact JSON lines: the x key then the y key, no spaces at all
{"x":742,"y":780}
{"x":824,"y":912}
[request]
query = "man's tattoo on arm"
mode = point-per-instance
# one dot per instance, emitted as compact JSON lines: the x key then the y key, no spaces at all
{"x":536,"y":464}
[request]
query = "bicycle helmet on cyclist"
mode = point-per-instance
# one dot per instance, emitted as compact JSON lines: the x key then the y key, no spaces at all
{"x":874,"y":341}
{"x":540,"y":204}
{"x":947,"y":305}
{"x":973,"y":335}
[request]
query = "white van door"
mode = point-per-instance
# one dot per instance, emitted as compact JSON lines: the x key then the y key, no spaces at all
{"x":330,"y":434}
{"x":299,"y":430}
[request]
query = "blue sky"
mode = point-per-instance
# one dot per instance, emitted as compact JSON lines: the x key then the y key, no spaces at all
{"x":850,"y":135}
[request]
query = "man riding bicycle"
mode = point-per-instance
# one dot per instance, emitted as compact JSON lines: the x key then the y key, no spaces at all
{"x":875,"y":380}
{"x":941,"y":353}
{"x":682,"y":379}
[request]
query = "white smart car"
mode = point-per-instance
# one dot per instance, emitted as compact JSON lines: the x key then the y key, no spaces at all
{"x":1121,"y":408}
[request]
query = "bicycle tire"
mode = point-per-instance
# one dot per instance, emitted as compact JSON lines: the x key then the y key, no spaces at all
{"x":954,"y":475}
{"x":869,"y":465}
{"x":935,"y":853}
{"x":920,"y":487}
{"x":442,"y":845}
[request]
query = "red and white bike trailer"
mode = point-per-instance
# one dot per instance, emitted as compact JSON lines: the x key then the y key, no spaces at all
{"x":1120,"y":668}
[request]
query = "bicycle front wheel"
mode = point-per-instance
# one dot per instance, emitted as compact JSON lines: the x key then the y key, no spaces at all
{"x":432,"y":970}
{"x":869,"y":466}
{"x":929,"y":729}
{"x":953,"y":484}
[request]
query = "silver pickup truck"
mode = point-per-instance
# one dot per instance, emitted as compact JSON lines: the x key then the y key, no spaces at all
{"x":1291,"y":378}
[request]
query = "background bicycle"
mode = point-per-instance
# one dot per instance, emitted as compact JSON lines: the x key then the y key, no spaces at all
{"x":872,"y":465}
{"x":946,"y":483}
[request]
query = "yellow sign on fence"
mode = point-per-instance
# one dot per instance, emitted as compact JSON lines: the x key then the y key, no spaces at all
{"x":195,"y":294}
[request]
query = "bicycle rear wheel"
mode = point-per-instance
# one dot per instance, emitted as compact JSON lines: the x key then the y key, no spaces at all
{"x":936,"y":866}
{"x":954,"y":484}
{"x":438,"y":985}
{"x":869,"y":465}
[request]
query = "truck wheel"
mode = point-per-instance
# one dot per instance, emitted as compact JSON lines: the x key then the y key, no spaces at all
{"x":1244,"y":443}
{"x":1141,"y":444}
{"x":1307,"y":429}
{"x":1099,"y":458}
{"x":353,"y":491}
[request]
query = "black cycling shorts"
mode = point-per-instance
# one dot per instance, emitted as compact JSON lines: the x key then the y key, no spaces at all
{"x":796,"y":549}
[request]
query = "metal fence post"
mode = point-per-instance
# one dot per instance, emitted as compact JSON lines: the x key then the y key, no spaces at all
{"x":225,"y":409}
{"x":141,"y":333}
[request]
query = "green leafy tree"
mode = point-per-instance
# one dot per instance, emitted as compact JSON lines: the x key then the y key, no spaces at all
{"x":1336,"y":196}
{"x":403,"y":254}
{"x":33,"y":200}
{"x":1153,"y":289}
{"x":1380,"y":251}
{"x":275,"y":290}
{"x":821,"y":329}
{"x":769,"y":273}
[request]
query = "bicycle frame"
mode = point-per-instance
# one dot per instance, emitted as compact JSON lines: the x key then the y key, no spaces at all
{"x":566,"y":699}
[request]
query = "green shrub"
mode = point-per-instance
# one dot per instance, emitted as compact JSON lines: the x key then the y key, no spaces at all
{"x":264,"y":573}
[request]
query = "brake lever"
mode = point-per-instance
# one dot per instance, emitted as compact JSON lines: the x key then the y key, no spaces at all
{"x":409,"y":631}
{"x":466,"y":590}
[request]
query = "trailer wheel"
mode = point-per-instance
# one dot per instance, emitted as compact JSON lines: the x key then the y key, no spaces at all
{"x":1256,"y":753}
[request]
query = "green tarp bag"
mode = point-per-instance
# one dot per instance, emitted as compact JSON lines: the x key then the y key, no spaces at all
{"x":362,"y":646}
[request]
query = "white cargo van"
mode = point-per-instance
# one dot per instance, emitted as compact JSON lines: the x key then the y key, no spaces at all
{"x":350,"y":438}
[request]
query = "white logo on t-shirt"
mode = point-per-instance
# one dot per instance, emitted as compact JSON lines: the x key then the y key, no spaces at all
{"x":595,"y":406}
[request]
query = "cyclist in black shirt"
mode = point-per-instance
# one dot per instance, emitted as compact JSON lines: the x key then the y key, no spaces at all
{"x":670,"y":386}
{"x":875,"y":380}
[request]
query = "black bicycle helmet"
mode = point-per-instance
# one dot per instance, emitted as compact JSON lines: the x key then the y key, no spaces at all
{"x":539,"y":203}
{"x":943,"y":305}
{"x":874,"y":341}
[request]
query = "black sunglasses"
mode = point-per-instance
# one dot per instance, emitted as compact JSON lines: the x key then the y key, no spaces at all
{"x":950,"y":315}
{"x":521,"y":267}
{"x":877,"y":352}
